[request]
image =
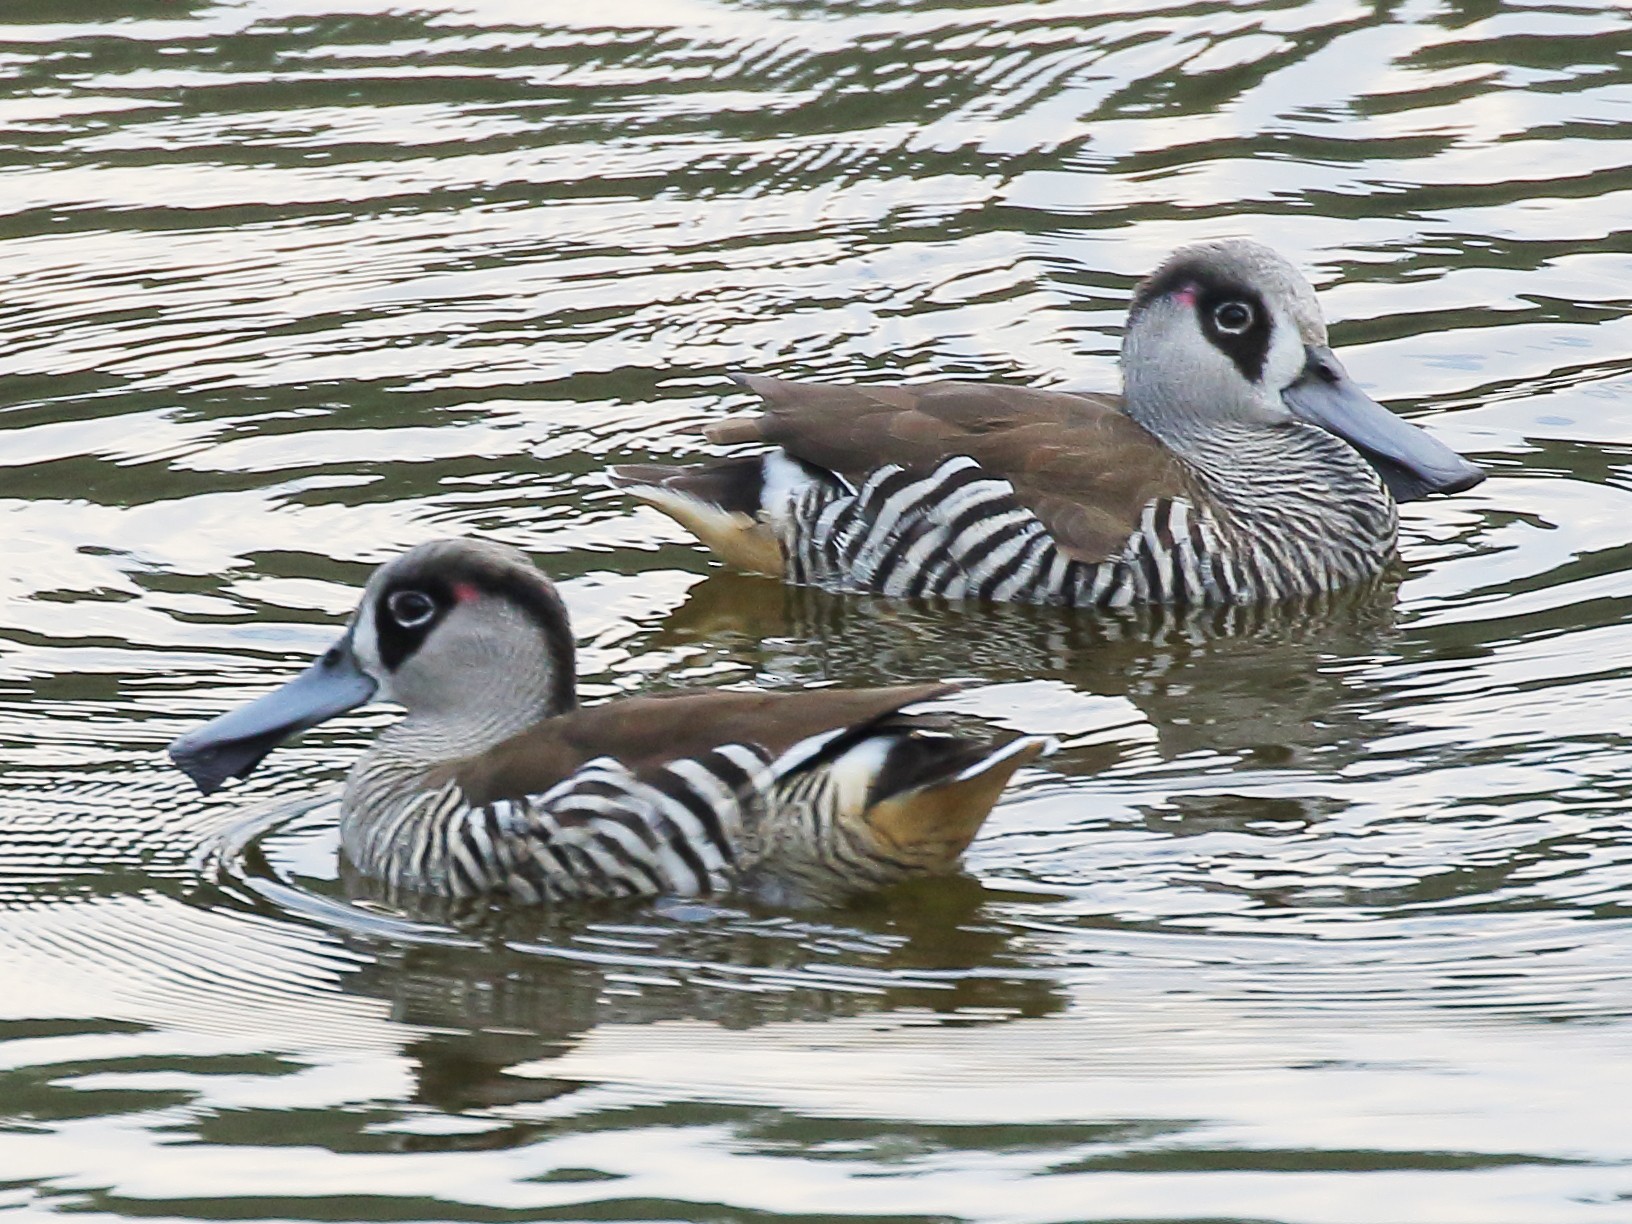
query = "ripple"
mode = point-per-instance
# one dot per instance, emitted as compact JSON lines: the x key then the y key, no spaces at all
{"x":1317,"y":917}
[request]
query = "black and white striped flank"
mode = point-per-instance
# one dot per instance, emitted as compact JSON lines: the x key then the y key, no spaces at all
{"x":601,"y":833}
{"x":958,"y":532}
{"x":792,"y":830}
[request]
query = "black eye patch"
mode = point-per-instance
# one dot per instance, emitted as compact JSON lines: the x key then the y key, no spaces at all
{"x":404,"y":615}
{"x":1236,"y":323}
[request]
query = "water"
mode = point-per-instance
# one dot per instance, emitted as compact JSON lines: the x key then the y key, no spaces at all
{"x":1326,"y":920}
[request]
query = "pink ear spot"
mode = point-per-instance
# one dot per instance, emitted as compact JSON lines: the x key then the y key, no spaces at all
{"x":464,"y":592}
{"x":1185,"y":294}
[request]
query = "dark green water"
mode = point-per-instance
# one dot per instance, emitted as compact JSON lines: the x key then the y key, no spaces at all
{"x":1326,"y":922}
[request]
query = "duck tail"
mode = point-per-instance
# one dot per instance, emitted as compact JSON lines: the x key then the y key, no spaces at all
{"x":734,"y":506}
{"x":933,"y":793}
{"x":862,"y":807}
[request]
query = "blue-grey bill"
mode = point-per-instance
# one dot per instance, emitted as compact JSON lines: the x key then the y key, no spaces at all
{"x":1411,"y":462}
{"x":233,"y":744}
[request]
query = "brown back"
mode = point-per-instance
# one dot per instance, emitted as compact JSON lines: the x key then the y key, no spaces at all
{"x":1076,"y":461}
{"x":646,"y":733}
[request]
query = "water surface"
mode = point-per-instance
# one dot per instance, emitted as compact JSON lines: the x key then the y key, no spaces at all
{"x":1324,"y":920}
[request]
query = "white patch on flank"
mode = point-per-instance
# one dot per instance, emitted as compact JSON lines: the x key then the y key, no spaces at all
{"x":783,"y":478}
{"x":853,"y":771}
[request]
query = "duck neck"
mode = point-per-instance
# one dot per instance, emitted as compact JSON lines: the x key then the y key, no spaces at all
{"x":444,"y":727}
{"x":433,"y":739}
{"x":1247,"y":467}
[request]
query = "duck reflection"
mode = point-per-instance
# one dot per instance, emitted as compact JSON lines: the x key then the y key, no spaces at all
{"x":1271,"y":682}
{"x":493,"y":990}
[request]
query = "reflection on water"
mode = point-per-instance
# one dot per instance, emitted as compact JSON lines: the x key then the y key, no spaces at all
{"x":1268,"y":679}
{"x":1321,"y":915}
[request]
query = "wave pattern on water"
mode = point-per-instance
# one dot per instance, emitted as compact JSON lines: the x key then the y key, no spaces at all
{"x":1316,"y":917}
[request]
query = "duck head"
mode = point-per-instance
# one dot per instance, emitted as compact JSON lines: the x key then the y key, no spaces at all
{"x":1229,"y":333}
{"x":467,"y":636}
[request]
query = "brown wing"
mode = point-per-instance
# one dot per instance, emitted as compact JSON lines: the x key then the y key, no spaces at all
{"x":645,"y":733}
{"x":1075,"y":460}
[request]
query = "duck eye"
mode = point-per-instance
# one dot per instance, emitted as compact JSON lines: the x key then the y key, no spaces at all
{"x":1232,"y":317}
{"x":411,"y":609}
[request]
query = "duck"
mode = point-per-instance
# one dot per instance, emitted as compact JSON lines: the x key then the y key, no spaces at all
{"x":498,"y":786}
{"x":1240,"y":465}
